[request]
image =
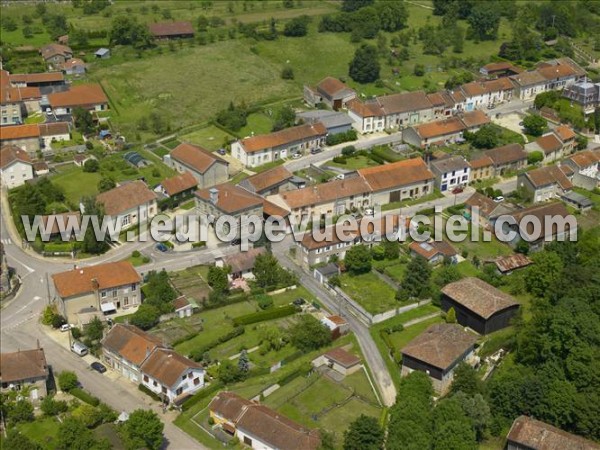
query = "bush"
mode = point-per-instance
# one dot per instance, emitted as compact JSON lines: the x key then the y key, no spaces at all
{"x":67,"y":381}
{"x":76,"y":333}
{"x":287,"y":73}
{"x":135,"y":254}
{"x":84,"y":396}
{"x":58,"y":321}
{"x":339,"y":159}
{"x":199,"y":244}
{"x":202,"y":394}
{"x":91,"y":165}
{"x":198,"y":354}
{"x":51,"y":407}
{"x":148,"y":392}
{"x":261,"y":316}
{"x":338,"y":138}
{"x":264,"y":301}
{"x":349,"y":150}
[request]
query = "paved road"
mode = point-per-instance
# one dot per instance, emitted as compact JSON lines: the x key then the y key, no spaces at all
{"x":330,"y":152}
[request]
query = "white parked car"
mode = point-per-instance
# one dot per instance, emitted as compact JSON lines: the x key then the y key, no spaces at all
{"x":79,"y":348}
{"x":297,"y":155}
{"x":65,"y":327}
{"x":369,"y":211}
{"x":499,"y":199}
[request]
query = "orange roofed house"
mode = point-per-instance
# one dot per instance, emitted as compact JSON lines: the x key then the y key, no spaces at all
{"x":172,"y":30}
{"x":104,"y":288}
{"x":142,"y":358}
{"x":87,"y":96}
{"x":257,"y":150}
{"x":25,"y":369}
{"x":527,"y":433}
{"x":260,"y":427}
{"x":130,"y":204}
{"x":15,"y":166}
{"x":207,"y":167}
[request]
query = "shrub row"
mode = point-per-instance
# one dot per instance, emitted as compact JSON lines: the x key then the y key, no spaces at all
{"x":202,"y":394}
{"x":197,"y":354}
{"x":231,"y":300}
{"x":148,"y":392}
{"x":456,"y":209}
{"x":268,"y":314}
{"x":185,"y":338}
{"x":303,"y":370}
{"x":84,"y":396}
{"x":334,"y":139}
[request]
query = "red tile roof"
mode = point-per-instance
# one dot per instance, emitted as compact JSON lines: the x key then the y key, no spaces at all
{"x":512,"y":262}
{"x":506,"y":154}
{"x":332,"y":86}
{"x":195,"y":157}
{"x":473,"y":119}
{"x":231,"y":199}
{"x":31,"y":78}
{"x":482,"y":161}
{"x":50,"y":50}
{"x":565,"y":133}
{"x":365,"y":109}
{"x":404,"y":102}
{"x":536,"y":435}
{"x":181,"y":302}
{"x":84,"y":95}
{"x":429,"y":250}
{"x":108,"y":275}
{"x":342,"y":357}
{"x":478,"y":296}
{"x":283,"y":137}
{"x":12,"y":132}
{"x":131,"y":343}
{"x":441,"y":345}
{"x":18,"y":94}
{"x":549,"y":143}
{"x":545,"y":176}
{"x":585,"y":158}
{"x":167,"y":366}
{"x":23,"y":365}
{"x":326,"y":192}
{"x":557,"y":71}
{"x":166,"y":29}
{"x":395,"y":175}
{"x":179,"y":183}
{"x":125,"y":197}
{"x":12,"y":153}
{"x":268,"y":178}
{"x":452,"y":125}
{"x":54,"y":128}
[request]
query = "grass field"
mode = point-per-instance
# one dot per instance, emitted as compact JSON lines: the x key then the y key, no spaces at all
{"x":370,"y":292}
{"x":210,"y":137}
{"x":401,"y":338}
{"x":354,"y":163}
{"x":43,"y":431}
{"x":258,"y":123}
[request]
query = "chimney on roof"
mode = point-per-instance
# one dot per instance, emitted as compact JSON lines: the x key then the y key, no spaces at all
{"x":95,"y":284}
{"x":214,"y":195}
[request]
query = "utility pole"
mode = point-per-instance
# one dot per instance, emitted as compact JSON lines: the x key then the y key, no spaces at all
{"x":47,"y":289}
{"x":553,"y":18}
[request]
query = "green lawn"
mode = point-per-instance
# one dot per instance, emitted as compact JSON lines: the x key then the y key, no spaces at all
{"x":258,"y":123}
{"x":43,"y":431}
{"x":396,"y":271}
{"x":76,"y":183}
{"x":354,"y":163}
{"x":426,"y":198}
{"x":483,"y":250}
{"x":138,"y":260}
{"x":210,"y":137}
{"x":289,"y":296}
{"x":370,"y":292}
{"x":267,"y":166}
{"x":400,"y":339}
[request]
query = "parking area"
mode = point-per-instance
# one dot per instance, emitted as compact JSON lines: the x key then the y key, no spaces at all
{"x":510,"y":121}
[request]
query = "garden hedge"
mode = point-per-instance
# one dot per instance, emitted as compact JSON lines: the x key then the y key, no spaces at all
{"x":268,"y":314}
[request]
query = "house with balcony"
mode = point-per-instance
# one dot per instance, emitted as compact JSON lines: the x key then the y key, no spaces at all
{"x":104,"y":288}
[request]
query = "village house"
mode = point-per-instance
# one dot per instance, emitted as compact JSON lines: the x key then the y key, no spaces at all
{"x":128,"y":204}
{"x":240,"y":264}
{"x":56,"y":54}
{"x":505,"y":265}
{"x":435,"y":252}
{"x":367,"y":117}
{"x":529,"y":84}
{"x":437,"y":351}
{"x":330,"y":91}
{"x":577,"y":201}
{"x":54,"y":132}
{"x":182,"y":307}
{"x":108,"y":288}
{"x":270,"y":182}
{"x":544,"y":183}
{"x":550,"y":75}
{"x":451,"y":172}
{"x":331,"y":198}
{"x":17,"y":100}
{"x":482,"y":168}
{"x":499,"y":69}
{"x":549,"y":145}
{"x":339,"y":360}
{"x":25,"y":371}
{"x":585,"y":166}
{"x":324,"y":273}
{"x":259,"y":427}
{"x":261,"y":149}
{"x":405,"y":109}
{"x":395,"y":182}
{"x":15,"y":166}
{"x":172,"y":30}
{"x":74,"y":66}
{"x":229,"y":200}
{"x":179,"y":187}
{"x":39,"y":80}
{"x":527,"y":433}
{"x":87,"y":96}
{"x":487,"y":209}
{"x":41,"y":168}
{"x":479,"y":305}
{"x":549,"y":216}
{"x":442,"y":103}
{"x":485,"y":94}
{"x":507,"y":158}
{"x":125,"y":347}
{"x":333,"y":121}
{"x":585,"y":94}
{"x":171,"y":376}
{"x":207,"y":167}
{"x":568,"y":138}
{"x":26,"y":137}
{"x":444,"y":131}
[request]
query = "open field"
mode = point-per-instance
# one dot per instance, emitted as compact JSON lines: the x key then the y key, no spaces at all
{"x":43,"y":431}
{"x":370,"y":292}
{"x":353,"y":163}
{"x":258,"y":123}
{"x":210,"y":137}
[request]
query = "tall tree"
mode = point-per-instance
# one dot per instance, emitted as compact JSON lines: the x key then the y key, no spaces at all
{"x":74,"y":435}
{"x":485,"y":20}
{"x":217,"y":278}
{"x":364,"y":67}
{"x":358,"y":259}
{"x":144,"y":429}
{"x":309,"y":334}
{"x":417,"y":280}
{"x":363,"y":434}
{"x":466,"y":380}
{"x":83,"y":120}
{"x":353,"y":5}
{"x":126,"y":30}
